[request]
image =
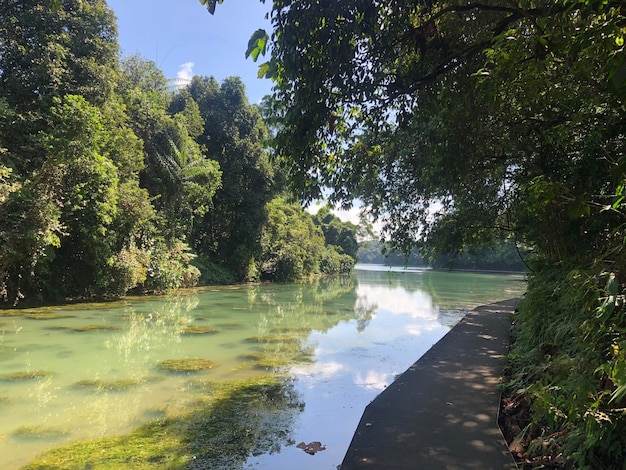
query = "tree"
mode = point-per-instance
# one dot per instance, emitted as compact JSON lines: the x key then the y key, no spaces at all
{"x":177,"y":173}
{"x":234,"y":135}
{"x":48,"y":51}
{"x":380,"y":102}
{"x":341,"y":235}
{"x":291,"y":243}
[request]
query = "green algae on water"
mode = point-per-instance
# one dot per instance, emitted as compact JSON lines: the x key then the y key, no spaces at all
{"x":291,"y":329}
{"x":95,"y":328}
{"x":187,"y":365}
{"x":98,"y":385}
{"x":47,"y":316}
{"x":25,"y":375}
{"x":272,"y":339}
{"x":262,"y":360}
{"x":199,"y":330}
{"x":233,"y":421}
{"x":39,"y":432}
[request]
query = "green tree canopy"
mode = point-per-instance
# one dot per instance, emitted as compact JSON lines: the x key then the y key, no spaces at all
{"x":341,"y":235}
{"x":177,"y":173}
{"x":234,"y":135}
{"x":48,"y":51}
{"x":455,"y":115}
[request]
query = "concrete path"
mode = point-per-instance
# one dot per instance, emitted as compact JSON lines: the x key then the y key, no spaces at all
{"x":441,"y":413}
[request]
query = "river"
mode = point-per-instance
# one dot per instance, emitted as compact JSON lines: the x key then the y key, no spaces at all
{"x":327,"y":347}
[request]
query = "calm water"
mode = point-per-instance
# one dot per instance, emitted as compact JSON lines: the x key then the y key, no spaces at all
{"x":343,"y":340}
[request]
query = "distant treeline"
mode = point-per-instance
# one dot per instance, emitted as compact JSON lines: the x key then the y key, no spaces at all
{"x":501,"y":256}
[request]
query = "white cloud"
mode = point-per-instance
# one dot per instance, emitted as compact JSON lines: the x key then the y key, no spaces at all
{"x":185,"y":74}
{"x":323,"y":369}
{"x":373,"y":380}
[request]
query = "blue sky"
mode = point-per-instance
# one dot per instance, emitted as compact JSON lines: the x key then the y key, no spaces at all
{"x":183,"y":39}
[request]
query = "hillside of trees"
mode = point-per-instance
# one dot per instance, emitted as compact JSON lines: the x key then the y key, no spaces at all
{"x":463,"y":122}
{"x":112,"y":181}
{"x":501,"y":255}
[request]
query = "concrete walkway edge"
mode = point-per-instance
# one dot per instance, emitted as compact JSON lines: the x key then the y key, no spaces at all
{"x":441,"y":413}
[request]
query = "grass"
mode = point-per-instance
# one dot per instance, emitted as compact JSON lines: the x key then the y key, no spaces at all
{"x":187,"y":365}
{"x":229,"y":423}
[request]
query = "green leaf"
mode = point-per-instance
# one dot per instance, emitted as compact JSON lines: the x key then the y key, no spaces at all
{"x":578,"y":208}
{"x":211,"y":4}
{"x":263,"y":69}
{"x":257,"y":44}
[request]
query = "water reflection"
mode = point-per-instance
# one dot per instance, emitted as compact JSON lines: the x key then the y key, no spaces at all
{"x":327,"y":348}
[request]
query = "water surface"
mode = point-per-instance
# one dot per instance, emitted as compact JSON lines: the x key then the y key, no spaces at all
{"x":94,"y":370}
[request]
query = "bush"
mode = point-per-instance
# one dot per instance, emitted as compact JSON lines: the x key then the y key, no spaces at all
{"x":569,"y":355}
{"x":170,"y":267}
{"x":211,"y":274}
{"x":333,"y":262}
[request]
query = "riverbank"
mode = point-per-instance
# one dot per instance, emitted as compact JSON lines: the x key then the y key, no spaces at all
{"x":442,"y":412}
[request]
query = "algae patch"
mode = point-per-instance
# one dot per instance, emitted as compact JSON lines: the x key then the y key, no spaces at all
{"x":98,"y":385}
{"x":272,"y":339}
{"x":261,"y":360}
{"x":230,"y":422}
{"x":25,"y":375}
{"x":39,"y":432}
{"x":47,"y":316}
{"x":187,"y":365}
{"x":82,"y":329}
{"x":199,"y":330}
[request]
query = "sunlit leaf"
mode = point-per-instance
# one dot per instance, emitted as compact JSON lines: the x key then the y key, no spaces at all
{"x":211,"y":4}
{"x":257,"y":45}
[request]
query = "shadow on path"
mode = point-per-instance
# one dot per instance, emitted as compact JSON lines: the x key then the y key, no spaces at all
{"x":442,"y":412}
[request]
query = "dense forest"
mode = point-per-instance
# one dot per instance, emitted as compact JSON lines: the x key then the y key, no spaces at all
{"x":114,"y":181}
{"x":459,"y":122}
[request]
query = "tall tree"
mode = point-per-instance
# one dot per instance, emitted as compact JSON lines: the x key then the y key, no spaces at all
{"x":234,"y":135}
{"x":48,"y":51}
{"x":177,"y":173}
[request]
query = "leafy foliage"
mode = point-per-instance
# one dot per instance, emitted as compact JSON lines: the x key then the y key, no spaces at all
{"x":293,"y":245}
{"x":234,"y":135}
{"x":341,"y":235}
{"x":110,"y":180}
{"x":463,"y":122}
